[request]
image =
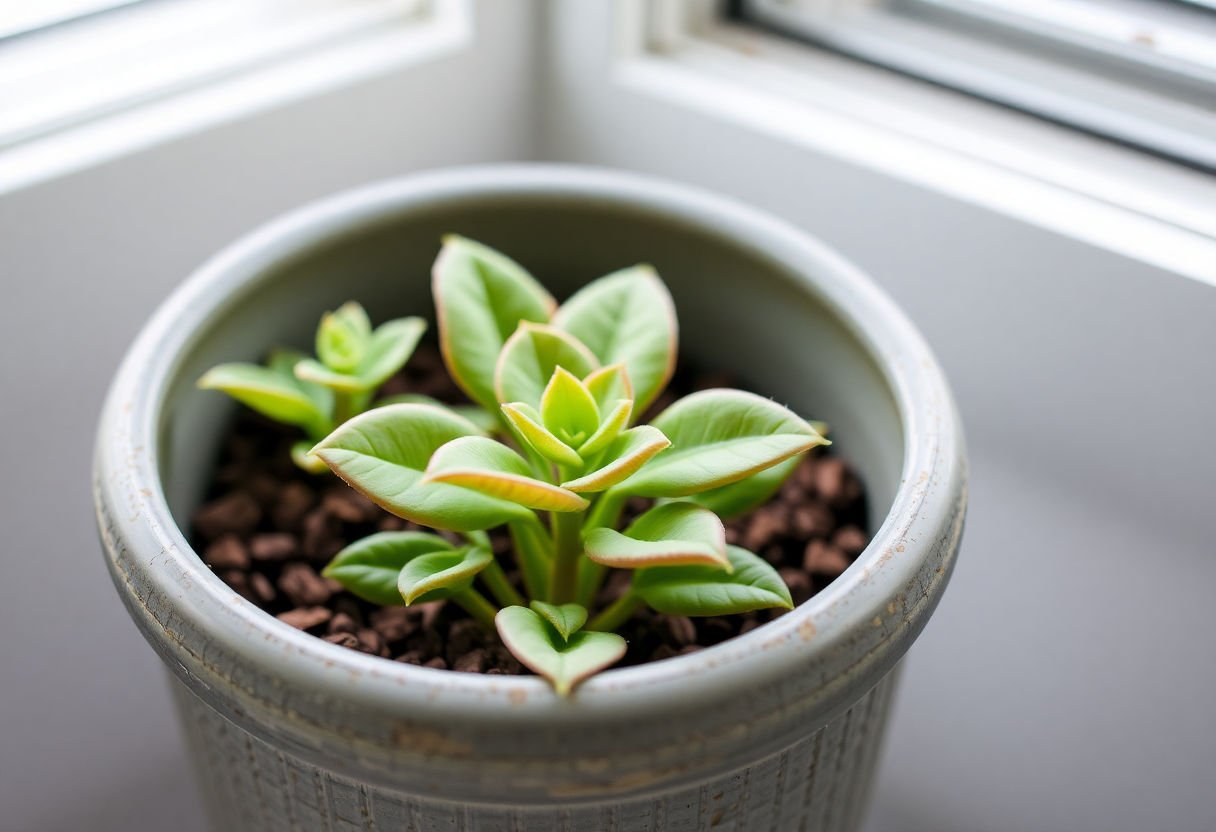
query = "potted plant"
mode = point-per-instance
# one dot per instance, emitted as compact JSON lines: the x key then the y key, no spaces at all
{"x":774,"y":728}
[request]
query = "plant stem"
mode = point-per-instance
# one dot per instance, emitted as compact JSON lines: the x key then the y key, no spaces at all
{"x":590,"y":578}
{"x":533,"y":553}
{"x":606,"y":510}
{"x":476,"y":605}
{"x":344,"y":407}
{"x":616,"y":613}
{"x":496,"y":580}
{"x":568,"y":550}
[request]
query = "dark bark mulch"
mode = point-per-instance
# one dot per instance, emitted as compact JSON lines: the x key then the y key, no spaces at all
{"x":267,"y":529}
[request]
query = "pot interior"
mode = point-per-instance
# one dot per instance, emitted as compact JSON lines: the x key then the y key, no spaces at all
{"x":740,"y":311}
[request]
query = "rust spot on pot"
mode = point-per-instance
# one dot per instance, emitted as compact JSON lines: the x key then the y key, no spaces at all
{"x":517,"y":697}
{"x":429,"y":742}
{"x":877,"y":622}
{"x":807,"y":630}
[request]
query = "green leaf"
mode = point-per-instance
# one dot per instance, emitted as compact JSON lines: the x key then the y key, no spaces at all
{"x":673,"y":534}
{"x":283,"y":361}
{"x":383,"y":453}
{"x":529,"y":359}
{"x":343,"y":336}
{"x":719,"y":437}
{"x":267,"y":391}
{"x":314,"y":372}
{"x":566,"y":619}
{"x":740,"y":497}
{"x":478,"y":416}
{"x":565,"y":663}
{"x":610,"y":428}
{"x":441,"y":574}
{"x":627,"y":316}
{"x":627,"y":453}
{"x":370,"y":567}
{"x":705,"y":590}
{"x":304,"y":458}
{"x":527,"y":421}
{"x":609,"y":385}
{"x":568,"y":409}
{"x":390,"y":347}
{"x":481,"y":296}
{"x":491,"y":468}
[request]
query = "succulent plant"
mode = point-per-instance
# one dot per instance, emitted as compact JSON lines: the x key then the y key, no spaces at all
{"x":318,"y":394}
{"x":568,"y":385}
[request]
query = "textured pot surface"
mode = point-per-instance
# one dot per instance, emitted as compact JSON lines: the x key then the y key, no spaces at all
{"x":776,"y":729}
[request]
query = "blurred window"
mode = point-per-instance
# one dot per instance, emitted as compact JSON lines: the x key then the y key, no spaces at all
{"x":1142,"y":72}
{"x":19,"y":17}
{"x":64,"y":62}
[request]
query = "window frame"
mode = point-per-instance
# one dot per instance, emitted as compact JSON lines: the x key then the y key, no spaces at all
{"x":1156,"y":105}
{"x":350,"y":43}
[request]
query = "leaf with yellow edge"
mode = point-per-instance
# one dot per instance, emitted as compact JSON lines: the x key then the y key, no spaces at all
{"x":704,"y":590}
{"x":627,"y":453}
{"x":441,"y":573}
{"x":672,"y":534}
{"x":370,"y":567}
{"x":627,"y":316}
{"x":343,"y":337}
{"x":383,"y":453}
{"x":610,"y":428}
{"x":719,"y":437}
{"x":391,"y":345}
{"x":481,"y":296}
{"x":480,"y":417}
{"x":568,"y":409}
{"x":563,"y":662}
{"x":728,"y":501}
{"x":567,"y":619}
{"x":386,"y":351}
{"x":526,"y":420}
{"x":609,"y":384}
{"x":530,"y":356}
{"x":489,"y":467}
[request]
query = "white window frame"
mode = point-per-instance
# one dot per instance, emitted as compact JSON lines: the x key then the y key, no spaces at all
{"x":688,"y":54}
{"x":18,"y":18}
{"x":138,"y":76}
{"x":1107,"y":68}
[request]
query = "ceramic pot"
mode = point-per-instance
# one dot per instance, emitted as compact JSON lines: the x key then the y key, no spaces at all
{"x":775,"y":730}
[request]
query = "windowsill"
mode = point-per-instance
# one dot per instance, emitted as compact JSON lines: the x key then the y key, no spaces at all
{"x":1126,"y":201}
{"x":444,"y":28}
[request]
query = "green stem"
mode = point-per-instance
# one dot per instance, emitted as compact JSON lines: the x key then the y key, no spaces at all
{"x":344,"y":407}
{"x":496,"y":581}
{"x":607,"y":510}
{"x":476,"y":605}
{"x":590,"y":578}
{"x":615,"y":614}
{"x":568,"y":551}
{"x":533,"y":553}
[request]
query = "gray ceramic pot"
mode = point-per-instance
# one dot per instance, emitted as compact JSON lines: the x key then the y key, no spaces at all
{"x":775,"y":730}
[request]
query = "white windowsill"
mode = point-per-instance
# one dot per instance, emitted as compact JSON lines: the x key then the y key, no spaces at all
{"x":439,"y":28}
{"x":1108,"y":195}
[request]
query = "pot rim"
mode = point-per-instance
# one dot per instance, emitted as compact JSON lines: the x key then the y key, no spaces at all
{"x":872,"y":597}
